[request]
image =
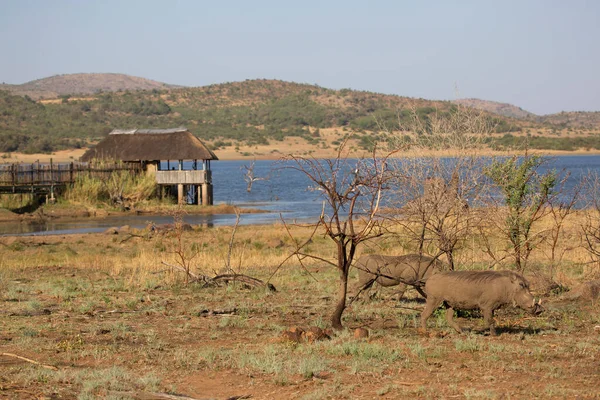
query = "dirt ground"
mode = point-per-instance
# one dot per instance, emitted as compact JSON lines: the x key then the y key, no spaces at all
{"x":103,"y":316}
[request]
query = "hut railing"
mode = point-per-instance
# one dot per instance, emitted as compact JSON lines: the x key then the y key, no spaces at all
{"x":186,"y":177}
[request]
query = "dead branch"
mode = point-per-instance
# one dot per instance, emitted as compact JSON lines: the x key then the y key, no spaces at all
{"x":132,"y":235}
{"x":235,"y":226}
{"x":190,"y":274}
{"x":158,"y":396}
{"x":223,"y":279}
{"x":244,"y":279}
{"x":230,"y":311}
{"x":409,"y":308}
{"x":29,"y":360}
{"x":298,"y":248}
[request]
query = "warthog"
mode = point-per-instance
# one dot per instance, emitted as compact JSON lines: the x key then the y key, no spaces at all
{"x":484,"y":290}
{"x":410,"y":269}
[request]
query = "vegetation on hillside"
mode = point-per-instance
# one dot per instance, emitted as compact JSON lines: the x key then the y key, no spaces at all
{"x":247,"y":113}
{"x":507,"y":110}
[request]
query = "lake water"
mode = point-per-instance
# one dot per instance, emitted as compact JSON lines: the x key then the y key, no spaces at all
{"x":284,"y":193}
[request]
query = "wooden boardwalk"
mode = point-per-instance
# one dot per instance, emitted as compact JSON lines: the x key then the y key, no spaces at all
{"x":47,"y":178}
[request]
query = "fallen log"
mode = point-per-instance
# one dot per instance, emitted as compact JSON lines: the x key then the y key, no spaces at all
{"x":223,"y":278}
{"x":244,"y":279}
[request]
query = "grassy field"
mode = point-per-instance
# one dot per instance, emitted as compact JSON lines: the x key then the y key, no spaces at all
{"x":108,"y":318}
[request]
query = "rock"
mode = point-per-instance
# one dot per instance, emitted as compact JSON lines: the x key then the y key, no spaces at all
{"x":314,"y":333}
{"x":310,"y":335}
{"x":586,"y":291}
{"x":322,"y":375}
{"x":293,"y":335}
{"x":361,"y":333}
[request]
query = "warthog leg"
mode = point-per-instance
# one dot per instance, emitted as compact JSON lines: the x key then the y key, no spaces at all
{"x":488,"y":320}
{"x":430,"y":307}
{"x":450,"y":318}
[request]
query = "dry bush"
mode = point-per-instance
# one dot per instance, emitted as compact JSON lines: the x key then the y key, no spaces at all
{"x":120,"y":189}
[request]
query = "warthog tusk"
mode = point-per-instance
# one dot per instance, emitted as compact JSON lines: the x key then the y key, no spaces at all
{"x":540,"y":302}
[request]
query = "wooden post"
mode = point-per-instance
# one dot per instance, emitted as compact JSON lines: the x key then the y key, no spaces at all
{"x":180,"y":193}
{"x":180,"y":198}
{"x":13,"y":173}
{"x":207,"y":190}
{"x":52,"y":199}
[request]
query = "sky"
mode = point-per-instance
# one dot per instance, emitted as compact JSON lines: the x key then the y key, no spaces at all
{"x":541,"y":55}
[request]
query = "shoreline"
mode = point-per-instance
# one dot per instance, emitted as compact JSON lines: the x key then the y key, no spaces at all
{"x":265,"y":155}
{"x":73,"y":213}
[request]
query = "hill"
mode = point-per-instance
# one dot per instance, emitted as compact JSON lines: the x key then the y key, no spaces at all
{"x":588,"y":120}
{"x":251,"y":117}
{"x":504,"y":109}
{"x":572,"y":119}
{"x":82,"y":84}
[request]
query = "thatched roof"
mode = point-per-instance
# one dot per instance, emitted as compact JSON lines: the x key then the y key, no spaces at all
{"x":149,"y":145}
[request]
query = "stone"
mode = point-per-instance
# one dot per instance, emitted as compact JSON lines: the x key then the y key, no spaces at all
{"x":293,"y":335}
{"x":314,"y":333}
{"x":361,"y":333}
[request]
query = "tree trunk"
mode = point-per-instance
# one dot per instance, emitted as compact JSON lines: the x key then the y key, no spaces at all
{"x":336,"y":317}
{"x":450,"y":257}
{"x":517,"y":249}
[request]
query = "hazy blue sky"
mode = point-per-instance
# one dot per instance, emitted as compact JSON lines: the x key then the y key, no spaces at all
{"x":541,"y":55}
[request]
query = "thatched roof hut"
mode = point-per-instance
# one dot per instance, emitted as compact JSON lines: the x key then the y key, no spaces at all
{"x":139,"y":145}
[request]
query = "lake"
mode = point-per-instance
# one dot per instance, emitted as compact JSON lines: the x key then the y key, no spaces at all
{"x":283,"y":193}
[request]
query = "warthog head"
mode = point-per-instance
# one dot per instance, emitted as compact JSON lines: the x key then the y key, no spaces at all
{"x":522,"y":296}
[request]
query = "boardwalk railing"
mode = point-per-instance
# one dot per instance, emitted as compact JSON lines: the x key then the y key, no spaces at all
{"x":38,"y":177}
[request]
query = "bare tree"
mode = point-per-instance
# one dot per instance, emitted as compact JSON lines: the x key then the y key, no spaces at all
{"x":436,"y":196}
{"x":184,"y":255}
{"x":352,"y":193}
{"x":590,"y":228}
{"x":435,"y":200}
{"x":461,"y":129}
{"x":561,"y":204}
{"x":249,"y":176}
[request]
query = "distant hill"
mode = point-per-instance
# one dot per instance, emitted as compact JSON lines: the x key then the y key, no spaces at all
{"x":572,"y":119}
{"x":589,"y":120}
{"x":86,"y":84}
{"x":494,"y":107}
{"x":251,"y":114}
